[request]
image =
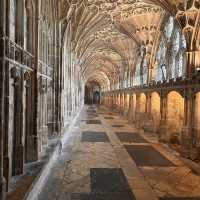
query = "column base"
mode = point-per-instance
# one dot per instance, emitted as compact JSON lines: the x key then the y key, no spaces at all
{"x":162,"y":132}
{"x":32,"y":150}
{"x":6,"y":166}
{"x":137,"y":121}
{"x":186,"y":142}
{"x":19,"y":160}
{"x":2,"y":188}
{"x":44,"y":133}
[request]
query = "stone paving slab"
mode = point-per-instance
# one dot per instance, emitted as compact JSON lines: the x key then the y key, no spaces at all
{"x":104,"y":196}
{"x":93,"y":122}
{"x":105,"y":180}
{"x":130,"y":137}
{"x":145,"y":155}
{"x":73,"y":177}
{"x":92,"y":116}
{"x":108,"y":117}
{"x":117,"y":126}
{"x":180,"y":198}
{"x":89,"y":136}
{"x":91,"y":111}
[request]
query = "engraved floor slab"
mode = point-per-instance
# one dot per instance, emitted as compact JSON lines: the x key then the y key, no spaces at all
{"x":180,"y":198}
{"x":145,"y":155}
{"x":92,"y":116}
{"x":89,"y":136}
{"x":70,"y":178}
{"x":117,"y":125}
{"x":130,"y":137}
{"x":105,"y":180}
{"x":108,"y":118}
{"x":103,"y":196}
{"x":93,"y":122}
{"x":91,"y":111}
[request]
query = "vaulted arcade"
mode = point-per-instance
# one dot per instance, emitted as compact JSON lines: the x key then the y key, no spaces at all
{"x":138,"y":58}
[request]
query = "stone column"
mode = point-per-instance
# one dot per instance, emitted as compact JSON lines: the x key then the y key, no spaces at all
{"x":186,"y":137}
{"x":109,"y":100}
{"x":2,"y":79}
{"x":122,"y":103}
{"x":18,"y":148}
{"x":137,"y":110}
{"x":148,"y":124}
{"x":130,"y":106}
{"x":113,"y":101}
{"x":60,"y":82}
{"x":162,"y":130}
{"x":34,"y":137}
{"x":148,"y":104}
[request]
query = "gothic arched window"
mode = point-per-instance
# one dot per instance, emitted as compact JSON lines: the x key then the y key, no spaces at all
{"x":170,"y":57}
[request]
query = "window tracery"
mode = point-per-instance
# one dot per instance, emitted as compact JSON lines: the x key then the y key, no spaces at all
{"x":170,"y":59}
{"x":136,"y":80}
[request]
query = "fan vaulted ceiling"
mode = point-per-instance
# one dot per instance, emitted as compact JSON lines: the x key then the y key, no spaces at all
{"x":106,"y":36}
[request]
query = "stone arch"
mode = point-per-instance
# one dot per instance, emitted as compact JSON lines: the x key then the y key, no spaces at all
{"x":178,"y":91}
{"x":175,"y":116}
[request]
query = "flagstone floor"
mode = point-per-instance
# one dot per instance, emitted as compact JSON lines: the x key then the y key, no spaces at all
{"x":107,"y":158}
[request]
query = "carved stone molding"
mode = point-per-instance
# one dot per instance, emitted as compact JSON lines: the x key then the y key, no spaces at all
{"x":15,"y":74}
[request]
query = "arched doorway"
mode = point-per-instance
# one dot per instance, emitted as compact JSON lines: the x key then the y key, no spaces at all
{"x":96,"y":97}
{"x":92,"y":93}
{"x":175,"y":116}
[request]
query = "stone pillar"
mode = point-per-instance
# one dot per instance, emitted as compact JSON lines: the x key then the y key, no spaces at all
{"x":148,"y":104}
{"x":124,"y":110}
{"x":137,"y":110}
{"x":122,"y":103}
{"x":162,"y":130}
{"x":2,"y":79}
{"x":111,"y":101}
{"x":130,"y":106}
{"x":148,"y":123}
{"x":33,"y":139}
{"x":18,"y":148}
{"x":186,"y":137}
{"x":59,"y":84}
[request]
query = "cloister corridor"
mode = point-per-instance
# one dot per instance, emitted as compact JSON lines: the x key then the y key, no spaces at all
{"x":99,"y":99}
{"x":105,"y":157}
